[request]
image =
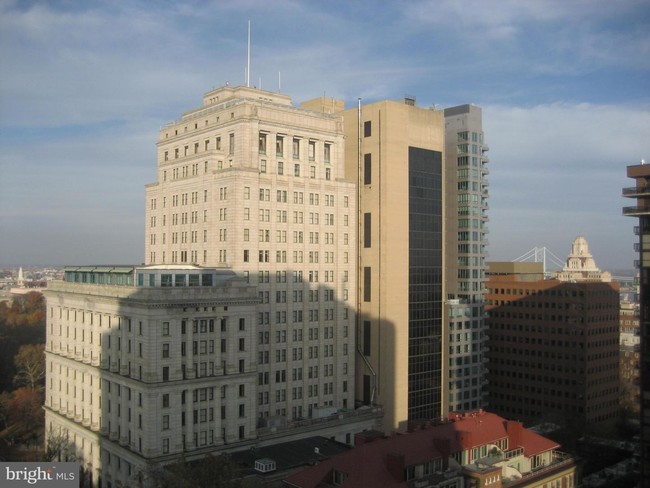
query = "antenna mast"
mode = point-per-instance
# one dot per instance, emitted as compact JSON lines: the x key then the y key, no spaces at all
{"x":248,"y":57}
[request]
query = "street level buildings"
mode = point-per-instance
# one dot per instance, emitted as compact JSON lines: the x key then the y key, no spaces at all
{"x":553,"y":347}
{"x":641,"y":209}
{"x":466,"y":206}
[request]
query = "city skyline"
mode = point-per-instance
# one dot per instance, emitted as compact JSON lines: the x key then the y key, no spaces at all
{"x":563,"y":89}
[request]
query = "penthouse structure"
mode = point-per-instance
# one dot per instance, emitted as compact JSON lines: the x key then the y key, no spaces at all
{"x":553,"y":346}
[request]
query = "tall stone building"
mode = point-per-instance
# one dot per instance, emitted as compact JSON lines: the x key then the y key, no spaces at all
{"x":250,"y":182}
{"x":144,"y":364}
{"x":553,"y":347}
{"x":466,"y":231}
{"x":395,"y":152}
{"x":641,"y":193}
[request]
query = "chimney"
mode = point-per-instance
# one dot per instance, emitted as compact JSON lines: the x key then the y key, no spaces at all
{"x":515,"y":431}
{"x":395,"y":465}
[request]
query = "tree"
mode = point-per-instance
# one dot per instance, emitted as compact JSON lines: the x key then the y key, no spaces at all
{"x":25,"y":416}
{"x":30,"y":366}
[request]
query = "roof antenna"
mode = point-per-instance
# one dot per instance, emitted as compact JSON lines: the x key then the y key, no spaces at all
{"x":279,"y":83}
{"x":248,"y":57}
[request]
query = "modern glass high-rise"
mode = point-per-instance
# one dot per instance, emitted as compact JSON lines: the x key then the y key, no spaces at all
{"x":641,"y":192}
{"x":395,"y":152}
{"x":466,"y":240}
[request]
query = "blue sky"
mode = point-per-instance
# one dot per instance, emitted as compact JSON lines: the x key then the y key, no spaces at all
{"x":85,"y":86}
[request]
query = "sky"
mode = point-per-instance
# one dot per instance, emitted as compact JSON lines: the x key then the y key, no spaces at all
{"x":86,"y":85}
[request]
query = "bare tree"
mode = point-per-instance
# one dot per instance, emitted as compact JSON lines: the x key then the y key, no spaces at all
{"x":30,"y":366}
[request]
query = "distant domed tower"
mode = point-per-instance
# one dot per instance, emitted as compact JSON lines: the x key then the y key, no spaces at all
{"x":580,"y":265}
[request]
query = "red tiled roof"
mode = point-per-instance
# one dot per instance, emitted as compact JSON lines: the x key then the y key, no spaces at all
{"x":366,"y":465}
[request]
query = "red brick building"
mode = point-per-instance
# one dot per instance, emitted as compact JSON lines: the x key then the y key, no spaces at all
{"x":553,"y":346}
{"x":474,"y":449}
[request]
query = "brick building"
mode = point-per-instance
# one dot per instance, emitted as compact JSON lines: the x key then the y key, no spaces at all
{"x":553,"y":347}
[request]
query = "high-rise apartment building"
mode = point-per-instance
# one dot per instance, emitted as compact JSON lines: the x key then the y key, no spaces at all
{"x":395,"y":152}
{"x":553,"y":346}
{"x":641,"y":192}
{"x":250,"y":182}
{"x":144,"y":364}
{"x":466,"y":230}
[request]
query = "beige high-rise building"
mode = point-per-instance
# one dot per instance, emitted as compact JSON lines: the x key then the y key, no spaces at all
{"x":250,"y":182}
{"x":395,"y":151}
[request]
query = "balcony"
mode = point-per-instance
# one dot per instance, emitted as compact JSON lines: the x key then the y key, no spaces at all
{"x":637,"y":191}
{"x":636,"y":211}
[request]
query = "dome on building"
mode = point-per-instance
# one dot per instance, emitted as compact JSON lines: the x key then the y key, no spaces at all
{"x":580,"y":264}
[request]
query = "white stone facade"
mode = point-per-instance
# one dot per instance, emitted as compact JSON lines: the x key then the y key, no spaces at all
{"x":144,"y":364}
{"x":581,"y":266}
{"x":252,"y":183}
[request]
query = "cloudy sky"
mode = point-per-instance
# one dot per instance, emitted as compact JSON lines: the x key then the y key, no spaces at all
{"x":85,"y":86}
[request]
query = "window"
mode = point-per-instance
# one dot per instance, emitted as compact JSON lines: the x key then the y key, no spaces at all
{"x":262,"y":143}
{"x":279,"y":146}
{"x":231,"y":144}
{"x":327,"y":152}
{"x":367,"y":279}
{"x":367,"y":169}
{"x":280,"y":168}
{"x":296,"y":170}
{"x":296,"y":148}
{"x":367,"y":128}
{"x":367,"y":229}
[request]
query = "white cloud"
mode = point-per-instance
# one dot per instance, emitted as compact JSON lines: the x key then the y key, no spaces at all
{"x":557,"y":171}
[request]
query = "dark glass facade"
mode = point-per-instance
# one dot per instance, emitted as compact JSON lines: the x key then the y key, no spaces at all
{"x":641,"y":193}
{"x":425,"y":284}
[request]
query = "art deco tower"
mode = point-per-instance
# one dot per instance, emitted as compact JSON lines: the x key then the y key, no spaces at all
{"x":250,"y":182}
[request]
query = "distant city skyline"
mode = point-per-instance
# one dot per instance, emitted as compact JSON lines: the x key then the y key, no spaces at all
{"x":563,"y":87}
